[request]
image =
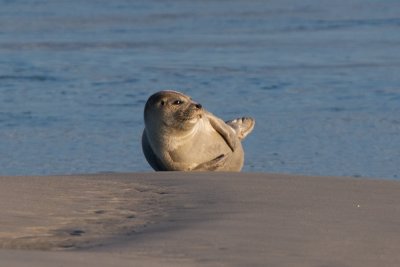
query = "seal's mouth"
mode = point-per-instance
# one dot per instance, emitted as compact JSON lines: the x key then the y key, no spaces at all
{"x":191,"y":114}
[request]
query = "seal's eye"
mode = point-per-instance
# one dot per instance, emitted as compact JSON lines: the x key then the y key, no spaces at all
{"x":178,"y":102}
{"x":162,"y":102}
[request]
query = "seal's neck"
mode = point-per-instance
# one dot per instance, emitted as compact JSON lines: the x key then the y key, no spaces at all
{"x":176,"y":138}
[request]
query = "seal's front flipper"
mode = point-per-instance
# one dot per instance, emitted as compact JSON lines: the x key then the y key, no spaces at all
{"x":224,"y":130}
{"x":212,"y":165}
{"x":242,"y":126}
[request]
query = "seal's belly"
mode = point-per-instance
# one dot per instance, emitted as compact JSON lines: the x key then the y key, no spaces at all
{"x":201,"y":148}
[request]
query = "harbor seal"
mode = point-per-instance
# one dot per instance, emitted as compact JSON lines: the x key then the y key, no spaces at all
{"x":180,"y":135}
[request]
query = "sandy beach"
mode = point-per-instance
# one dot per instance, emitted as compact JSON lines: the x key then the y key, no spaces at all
{"x":198,"y":219}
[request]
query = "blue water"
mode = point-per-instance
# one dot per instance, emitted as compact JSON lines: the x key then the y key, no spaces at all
{"x":322,"y":79}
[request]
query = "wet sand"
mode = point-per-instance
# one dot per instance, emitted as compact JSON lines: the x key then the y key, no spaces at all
{"x":198,"y":219}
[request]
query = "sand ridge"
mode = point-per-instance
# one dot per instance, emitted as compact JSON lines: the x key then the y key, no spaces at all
{"x":73,"y":212}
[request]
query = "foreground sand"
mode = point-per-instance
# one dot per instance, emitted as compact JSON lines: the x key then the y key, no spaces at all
{"x":198,"y":219}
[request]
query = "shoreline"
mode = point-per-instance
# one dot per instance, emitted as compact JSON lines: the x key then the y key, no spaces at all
{"x":199,"y":219}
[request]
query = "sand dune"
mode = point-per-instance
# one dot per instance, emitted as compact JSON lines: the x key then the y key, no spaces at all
{"x":198,"y":219}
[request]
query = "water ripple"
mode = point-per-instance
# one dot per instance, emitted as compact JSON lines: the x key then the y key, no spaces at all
{"x":35,"y":78}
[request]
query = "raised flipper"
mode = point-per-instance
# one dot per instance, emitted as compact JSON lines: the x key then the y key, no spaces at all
{"x":224,"y":130}
{"x":242,"y":126}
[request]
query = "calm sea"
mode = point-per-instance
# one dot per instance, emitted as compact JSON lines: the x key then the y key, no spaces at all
{"x":321,"y":77}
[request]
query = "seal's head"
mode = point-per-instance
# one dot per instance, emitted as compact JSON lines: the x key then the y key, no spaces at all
{"x":171,"y":110}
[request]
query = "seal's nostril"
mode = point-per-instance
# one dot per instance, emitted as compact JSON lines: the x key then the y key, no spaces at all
{"x":199,"y":106}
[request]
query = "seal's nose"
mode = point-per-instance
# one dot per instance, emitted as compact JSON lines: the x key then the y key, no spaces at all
{"x":198,"y":106}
